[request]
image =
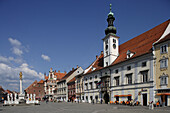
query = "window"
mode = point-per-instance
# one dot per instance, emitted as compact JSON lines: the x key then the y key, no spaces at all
{"x":164,"y":63}
{"x":39,"y":90}
{"x":145,"y":76}
{"x":90,"y":78}
{"x":128,"y":68}
{"x":107,"y":64}
{"x":114,"y":41}
{"x":96,"y":77}
{"x":163,"y":49}
{"x":116,"y":71}
{"x":86,"y":85}
{"x":34,"y":90}
{"x":163,"y":81}
{"x":117,"y":81}
{"x":143,"y":64}
{"x":129,"y":78}
{"x":86,"y":79}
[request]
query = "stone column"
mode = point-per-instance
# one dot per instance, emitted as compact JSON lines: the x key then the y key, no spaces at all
{"x":20,"y":82}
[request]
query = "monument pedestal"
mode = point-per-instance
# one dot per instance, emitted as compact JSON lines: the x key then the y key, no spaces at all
{"x":21,"y":96}
{"x":22,"y":99}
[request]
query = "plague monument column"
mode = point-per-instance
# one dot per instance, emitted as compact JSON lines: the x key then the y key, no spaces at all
{"x":21,"y":95}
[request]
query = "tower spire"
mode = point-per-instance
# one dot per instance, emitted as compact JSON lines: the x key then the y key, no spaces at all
{"x":110,"y":19}
{"x":110,"y":7}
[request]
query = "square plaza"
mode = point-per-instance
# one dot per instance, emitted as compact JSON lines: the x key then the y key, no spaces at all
{"x":64,"y":107}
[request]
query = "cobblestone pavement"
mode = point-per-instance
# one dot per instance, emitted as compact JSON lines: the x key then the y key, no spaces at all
{"x":80,"y":108}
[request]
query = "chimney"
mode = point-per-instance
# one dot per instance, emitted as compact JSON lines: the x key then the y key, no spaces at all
{"x":72,"y":68}
{"x":55,"y":71}
{"x":65,"y":72}
{"x":96,"y":56}
{"x":58,"y":71}
{"x":101,"y":52}
{"x":77,"y":66}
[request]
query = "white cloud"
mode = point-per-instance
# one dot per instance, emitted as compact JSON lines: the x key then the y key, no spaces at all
{"x":10,"y":75}
{"x":17,"y":51}
{"x":45,"y":57}
{"x":17,"y":47}
{"x":8,"y":60}
{"x":4,"y":59}
{"x":14,"y":42}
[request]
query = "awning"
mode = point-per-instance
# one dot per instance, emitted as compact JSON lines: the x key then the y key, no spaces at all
{"x":122,"y":95}
{"x":159,"y":94}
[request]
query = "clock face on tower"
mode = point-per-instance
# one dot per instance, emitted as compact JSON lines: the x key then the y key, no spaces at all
{"x":114,"y":46}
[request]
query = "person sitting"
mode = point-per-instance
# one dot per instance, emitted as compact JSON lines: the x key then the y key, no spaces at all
{"x":158,"y":104}
{"x":131,"y":102}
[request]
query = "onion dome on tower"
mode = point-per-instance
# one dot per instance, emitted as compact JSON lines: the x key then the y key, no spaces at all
{"x":110,"y":19}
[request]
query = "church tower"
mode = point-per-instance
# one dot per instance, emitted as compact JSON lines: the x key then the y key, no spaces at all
{"x":110,"y":41}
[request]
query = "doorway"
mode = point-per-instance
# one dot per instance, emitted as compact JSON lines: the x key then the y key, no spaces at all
{"x":164,"y":100}
{"x":106,"y":98}
{"x":129,"y":98}
{"x":117,"y":98}
{"x":144,"y":99}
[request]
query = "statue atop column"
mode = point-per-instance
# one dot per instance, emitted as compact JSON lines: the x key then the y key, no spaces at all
{"x":20,"y":75}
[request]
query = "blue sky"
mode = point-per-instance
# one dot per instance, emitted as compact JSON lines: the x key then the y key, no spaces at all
{"x":38,"y":34}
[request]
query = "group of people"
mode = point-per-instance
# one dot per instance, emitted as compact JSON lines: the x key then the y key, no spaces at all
{"x":128,"y":102}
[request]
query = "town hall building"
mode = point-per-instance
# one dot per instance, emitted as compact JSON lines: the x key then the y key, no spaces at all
{"x":124,"y":72}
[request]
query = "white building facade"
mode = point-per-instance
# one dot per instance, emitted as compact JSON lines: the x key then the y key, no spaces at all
{"x":124,"y":72}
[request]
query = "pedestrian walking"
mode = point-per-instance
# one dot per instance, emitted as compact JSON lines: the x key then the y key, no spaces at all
{"x":93,"y":101}
{"x":101,"y":101}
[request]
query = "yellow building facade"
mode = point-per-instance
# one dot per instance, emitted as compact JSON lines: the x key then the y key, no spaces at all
{"x":162,"y":69}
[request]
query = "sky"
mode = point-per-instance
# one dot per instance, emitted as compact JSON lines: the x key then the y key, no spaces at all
{"x":36,"y":35}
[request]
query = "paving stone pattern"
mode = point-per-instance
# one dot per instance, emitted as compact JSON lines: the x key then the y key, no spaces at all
{"x":80,"y":108}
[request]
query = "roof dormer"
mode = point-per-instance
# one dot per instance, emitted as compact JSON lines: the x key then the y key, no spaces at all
{"x":129,"y":54}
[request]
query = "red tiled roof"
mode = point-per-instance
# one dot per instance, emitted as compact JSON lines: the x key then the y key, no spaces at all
{"x":72,"y":80}
{"x":97,"y":64}
{"x":59,"y":75}
{"x":35,"y":82}
{"x":46,"y":77}
{"x":141,"y":44}
{"x":8,"y":91}
{"x":41,"y":82}
{"x":68,"y":74}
